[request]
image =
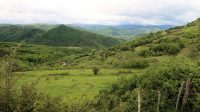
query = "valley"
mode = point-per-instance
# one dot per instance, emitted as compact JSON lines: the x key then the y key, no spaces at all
{"x":78,"y":71}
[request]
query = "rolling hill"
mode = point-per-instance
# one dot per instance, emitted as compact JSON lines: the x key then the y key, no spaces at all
{"x":17,"y":33}
{"x":168,"y":58}
{"x":67,"y":36}
{"x":57,"y":36}
{"x":181,"y":39}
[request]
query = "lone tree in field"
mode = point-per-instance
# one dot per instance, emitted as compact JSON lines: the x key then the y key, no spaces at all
{"x":95,"y":70}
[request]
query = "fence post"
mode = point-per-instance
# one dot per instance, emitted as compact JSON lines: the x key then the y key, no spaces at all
{"x":187,"y":91}
{"x":179,"y":95}
{"x":158,"y":103}
{"x":139,"y":99}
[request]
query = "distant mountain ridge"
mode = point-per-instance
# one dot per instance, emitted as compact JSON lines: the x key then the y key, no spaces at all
{"x":16,"y":33}
{"x":61,"y":35}
{"x":126,"y":31}
{"x":67,"y":36}
{"x":123,"y":31}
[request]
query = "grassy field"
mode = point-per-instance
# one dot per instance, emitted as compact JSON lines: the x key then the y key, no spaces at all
{"x":73,"y":84}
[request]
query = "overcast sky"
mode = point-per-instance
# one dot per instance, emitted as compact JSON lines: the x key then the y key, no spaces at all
{"x":171,"y":12}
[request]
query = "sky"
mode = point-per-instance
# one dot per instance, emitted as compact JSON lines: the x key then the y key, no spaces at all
{"x":108,"y":12}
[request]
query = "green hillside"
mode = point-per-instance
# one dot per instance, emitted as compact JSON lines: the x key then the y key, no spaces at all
{"x":57,"y":36}
{"x":168,"y":58}
{"x":178,"y":40}
{"x":67,"y":36}
{"x":18,"y":33}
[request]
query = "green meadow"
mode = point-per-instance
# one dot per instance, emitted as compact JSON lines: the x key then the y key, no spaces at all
{"x":73,"y":84}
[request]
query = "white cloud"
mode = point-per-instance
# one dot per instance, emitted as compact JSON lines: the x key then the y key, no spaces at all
{"x":99,"y":11}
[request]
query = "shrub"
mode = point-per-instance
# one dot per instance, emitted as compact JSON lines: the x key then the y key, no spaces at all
{"x":25,"y":99}
{"x":45,"y":103}
{"x":124,"y":48}
{"x":95,"y":70}
{"x":124,"y":72}
{"x":141,"y":41}
{"x":139,"y":63}
{"x":4,"y":52}
{"x":174,"y":49}
{"x":79,"y":105}
{"x":20,"y":66}
{"x":60,"y":74}
{"x":144,"y":52}
{"x":165,"y":78}
{"x":167,"y":48}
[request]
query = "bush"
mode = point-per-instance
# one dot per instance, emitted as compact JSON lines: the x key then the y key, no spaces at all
{"x":4,"y":52}
{"x":139,"y":63}
{"x":59,"y":74}
{"x":20,"y":66}
{"x":141,"y":41}
{"x":124,"y":48}
{"x":166,"y":48}
{"x":144,"y":52}
{"x":124,"y":72}
{"x":95,"y":70}
{"x":173,"y":49}
{"x":165,"y":78}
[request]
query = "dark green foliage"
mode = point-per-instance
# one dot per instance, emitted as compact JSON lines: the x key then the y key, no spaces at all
{"x":165,"y":48}
{"x":60,"y":74}
{"x":19,"y":33}
{"x":67,"y":36}
{"x":79,"y":106}
{"x":125,"y":48}
{"x":165,"y":78}
{"x":58,"y":36}
{"x":95,"y":70}
{"x":137,"y":63}
{"x":25,"y":99}
{"x":174,"y":49}
{"x":30,"y":57}
{"x":4,"y":52}
{"x":124,"y":72}
{"x":145,"y":53}
{"x":47,"y":103}
{"x":141,"y":41}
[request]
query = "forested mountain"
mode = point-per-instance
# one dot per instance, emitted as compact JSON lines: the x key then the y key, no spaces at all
{"x":18,"y":33}
{"x":67,"y":36}
{"x":59,"y":36}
